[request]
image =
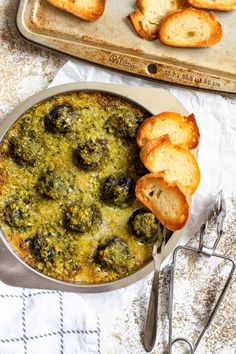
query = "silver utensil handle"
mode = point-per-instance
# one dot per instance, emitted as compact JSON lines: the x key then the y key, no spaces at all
{"x":150,"y":330}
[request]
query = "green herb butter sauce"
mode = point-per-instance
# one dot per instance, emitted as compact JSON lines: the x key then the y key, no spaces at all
{"x":54,"y":162}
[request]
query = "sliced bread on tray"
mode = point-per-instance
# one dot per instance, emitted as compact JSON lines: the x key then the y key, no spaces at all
{"x":155,"y":10}
{"x":146,"y":19}
{"x":143,"y":26}
{"x":190,"y":28}
{"x":182,"y":130}
{"x":222,"y":5}
{"x":176,"y":162}
{"x":88,"y":10}
{"x":166,"y":200}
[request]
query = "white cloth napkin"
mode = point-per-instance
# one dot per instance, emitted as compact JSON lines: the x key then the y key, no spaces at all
{"x":50,"y":322}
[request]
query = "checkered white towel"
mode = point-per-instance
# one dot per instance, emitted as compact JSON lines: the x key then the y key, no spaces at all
{"x":46,"y":322}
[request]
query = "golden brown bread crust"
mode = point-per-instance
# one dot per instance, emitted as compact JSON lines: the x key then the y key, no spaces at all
{"x":214,"y":38}
{"x":209,"y":5}
{"x":151,"y":144}
{"x":154,"y":154}
{"x":143,"y":27}
{"x":84,"y":12}
{"x":191,"y":120}
{"x":146,"y":19}
{"x":141,"y":4}
{"x":143,"y":134}
{"x":175,"y":188}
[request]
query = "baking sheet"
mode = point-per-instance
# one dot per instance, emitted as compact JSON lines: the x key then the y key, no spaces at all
{"x":111,"y":41}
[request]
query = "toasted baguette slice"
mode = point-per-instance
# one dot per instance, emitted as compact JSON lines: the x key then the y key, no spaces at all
{"x":182,"y":130}
{"x":143,"y":26}
{"x":88,"y":10}
{"x":190,"y":28}
{"x":155,"y":10}
{"x":147,"y":18}
{"x":177,"y":163}
{"x":222,"y":5}
{"x":151,"y":144}
{"x":166,"y":200}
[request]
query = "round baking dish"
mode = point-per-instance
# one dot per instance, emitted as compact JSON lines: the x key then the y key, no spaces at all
{"x":13,"y":270}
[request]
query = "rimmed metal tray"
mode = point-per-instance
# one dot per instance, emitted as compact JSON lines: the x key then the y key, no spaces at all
{"x":112,"y":42}
{"x":13,"y":270}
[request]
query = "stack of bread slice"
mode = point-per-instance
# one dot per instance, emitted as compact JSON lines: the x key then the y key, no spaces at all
{"x":166,"y":141}
{"x":178,"y":24}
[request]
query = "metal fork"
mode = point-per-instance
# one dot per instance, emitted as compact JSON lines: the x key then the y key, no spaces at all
{"x":150,"y":330}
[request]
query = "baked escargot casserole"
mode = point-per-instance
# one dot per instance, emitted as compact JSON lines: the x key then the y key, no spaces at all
{"x":68,"y":170}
